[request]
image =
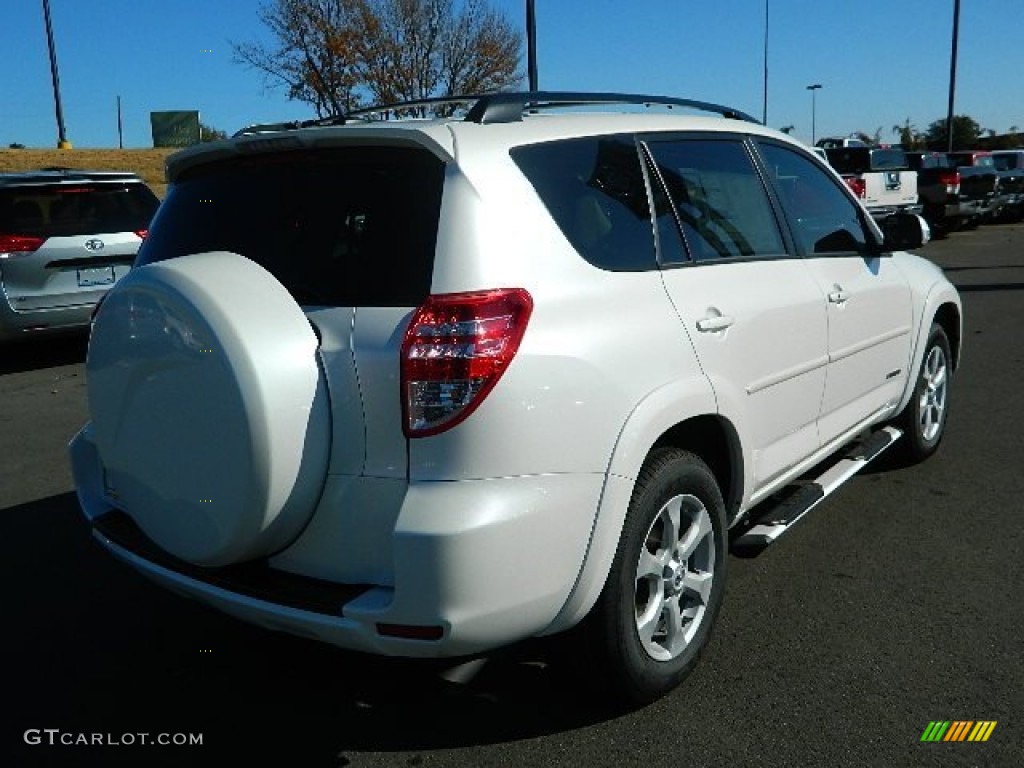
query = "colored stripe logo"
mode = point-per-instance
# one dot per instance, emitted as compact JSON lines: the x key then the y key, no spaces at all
{"x":958,"y":730}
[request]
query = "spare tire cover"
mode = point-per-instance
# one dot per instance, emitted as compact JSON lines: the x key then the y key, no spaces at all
{"x":209,"y":409}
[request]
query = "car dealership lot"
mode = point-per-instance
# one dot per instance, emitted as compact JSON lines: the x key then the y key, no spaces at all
{"x":893,"y":604}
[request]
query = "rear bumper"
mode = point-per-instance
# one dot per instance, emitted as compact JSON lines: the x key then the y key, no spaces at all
{"x":884,"y":211}
{"x":480,"y":564}
{"x":963,"y":210}
{"x":15,"y":324}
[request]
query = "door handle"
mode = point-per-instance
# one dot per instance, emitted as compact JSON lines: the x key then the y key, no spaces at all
{"x":714,"y":323}
{"x":838,"y":296}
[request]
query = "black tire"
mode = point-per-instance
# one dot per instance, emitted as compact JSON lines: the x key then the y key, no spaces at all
{"x":923,"y":421}
{"x":624,"y":662}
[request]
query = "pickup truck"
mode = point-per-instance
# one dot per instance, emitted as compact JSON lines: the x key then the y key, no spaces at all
{"x":938,"y":187}
{"x":1010,"y":167}
{"x":881,"y":177}
{"x":835,"y":143}
{"x":979,"y":182}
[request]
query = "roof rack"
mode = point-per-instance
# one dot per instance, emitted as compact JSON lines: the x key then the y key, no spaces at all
{"x":274,"y":127}
{"x":506,"y":107}
{"x":363,"y":113}
{"x":509,"y":107}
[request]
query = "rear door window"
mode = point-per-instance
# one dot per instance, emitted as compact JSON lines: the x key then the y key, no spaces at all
{"x":354,"y":226}
{"x":719,"y":200}
{"x":594,"y":189}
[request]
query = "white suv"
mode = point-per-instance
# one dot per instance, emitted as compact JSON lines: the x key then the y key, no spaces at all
{"x":429,"y":387}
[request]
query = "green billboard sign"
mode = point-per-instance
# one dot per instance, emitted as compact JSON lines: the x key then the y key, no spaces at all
{"x":175,"y":129}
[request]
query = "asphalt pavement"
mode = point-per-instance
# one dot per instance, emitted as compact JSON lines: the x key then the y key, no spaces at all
{"x":896,"y":603}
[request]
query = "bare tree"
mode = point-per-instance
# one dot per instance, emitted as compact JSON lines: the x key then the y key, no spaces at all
{"x":316,"y":56}
{"x":479,"y":51}
{"x":400,"y":48}
{"x":333,"y":54}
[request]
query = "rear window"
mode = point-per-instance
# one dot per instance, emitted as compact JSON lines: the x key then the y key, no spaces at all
{"x":918,"y":161}
{"x":1008,"y":162}
{"x":977,"y":161}
{"x":864,"y":160}
{"x":61,"y":210}
{"x":350,"y":226}
{"x":888,"y":160}
{"x":849,"y":159}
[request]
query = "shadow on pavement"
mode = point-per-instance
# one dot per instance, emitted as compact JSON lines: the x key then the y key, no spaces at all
{"x":98,"y":649}
{"x":984,"y":267}
{"x":987,"y":287}
{"x":30,"y":355}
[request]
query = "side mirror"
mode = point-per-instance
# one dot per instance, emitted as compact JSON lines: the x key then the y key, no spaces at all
{"x":904,"y":231}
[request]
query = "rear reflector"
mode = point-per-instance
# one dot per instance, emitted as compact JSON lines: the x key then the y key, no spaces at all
{"x":456,"y":348}
{"x":19,"y":243}
{"x":410,"y":631}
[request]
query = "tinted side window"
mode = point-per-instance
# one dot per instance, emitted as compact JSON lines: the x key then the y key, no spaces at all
{"x":718,"y":197}
{"x":824,"y":219}
{"x":342,"y":227}
{"x":594,"y":189}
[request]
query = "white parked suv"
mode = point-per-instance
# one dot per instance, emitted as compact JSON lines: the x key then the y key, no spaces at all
{"x":429,"y":387}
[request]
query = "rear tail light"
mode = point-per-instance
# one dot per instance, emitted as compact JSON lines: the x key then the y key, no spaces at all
{"x":11,"y":244}
{"x":952,"y":181}
{"x":142,"y":233}
{"x":856,"y":184}
{"x":456,"y":348}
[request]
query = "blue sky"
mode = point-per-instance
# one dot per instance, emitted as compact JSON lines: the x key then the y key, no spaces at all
{"x":879,"y":61}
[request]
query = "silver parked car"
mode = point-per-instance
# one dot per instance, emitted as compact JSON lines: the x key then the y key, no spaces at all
{"x":66,"y":236}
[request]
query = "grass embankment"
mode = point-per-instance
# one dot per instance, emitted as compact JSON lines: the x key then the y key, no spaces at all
{"x":147,"y":163}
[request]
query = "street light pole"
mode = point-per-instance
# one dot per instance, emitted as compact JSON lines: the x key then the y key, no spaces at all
{"x":764,"y":113}
{"x":531,"y":44}
{"x":62,"y":139}
{"x":812,"y":89}
{"x":952,"y":74}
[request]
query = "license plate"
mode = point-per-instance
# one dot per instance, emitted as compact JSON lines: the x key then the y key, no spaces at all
{"x":95,"y":276}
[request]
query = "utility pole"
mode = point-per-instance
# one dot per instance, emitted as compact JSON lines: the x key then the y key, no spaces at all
{"x":62,"y":139}
{"x":952,"y":74}
{"x":531,"y":45}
